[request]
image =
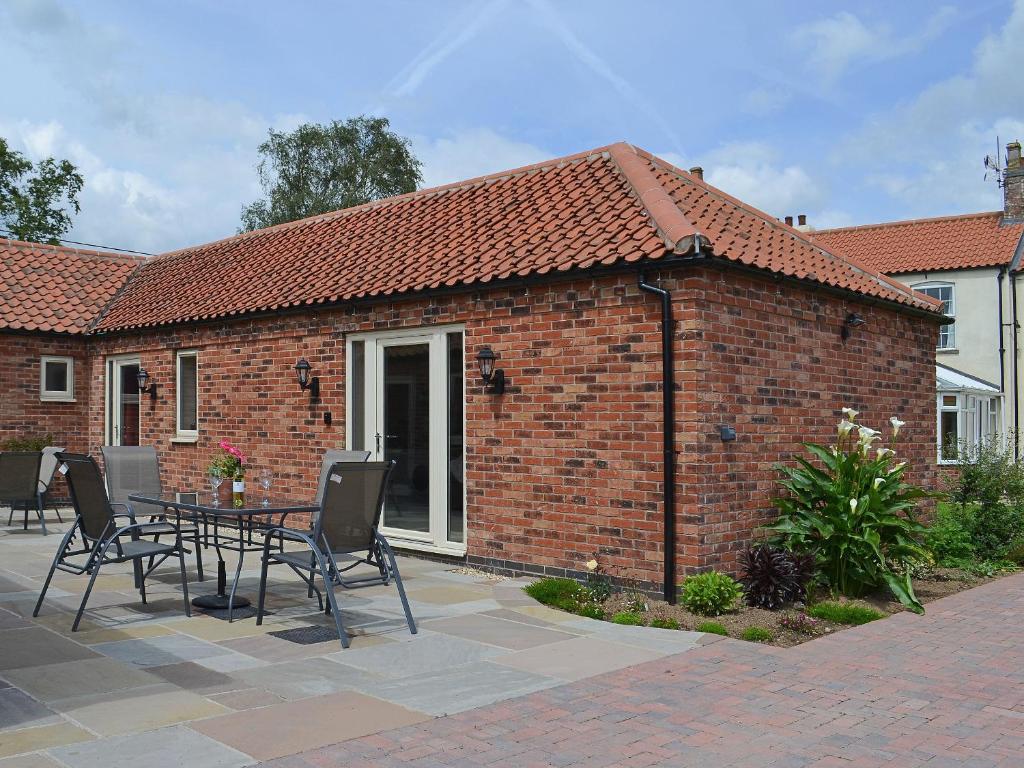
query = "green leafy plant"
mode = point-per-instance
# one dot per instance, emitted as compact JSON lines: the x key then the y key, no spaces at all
{"x":1015,"y":552}
{"x":854,"y":513}
{"x":800,"y":622}
{"x":844,"y":613}
{"x":629,"y":618}
{"x":712,"y":628}
{"x":27,"y":443}
{"x":566,"y":594}
{"x":757,"y":635}
{"x":598,"y":581}
{"x":666,"y":623}
{"x":949,"y":537}
{"x":773,"y":577}
{"x":711,"y":593}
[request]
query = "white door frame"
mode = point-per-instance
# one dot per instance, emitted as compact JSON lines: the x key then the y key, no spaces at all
{"x":112,"y":396}
{"x":436,"y":539}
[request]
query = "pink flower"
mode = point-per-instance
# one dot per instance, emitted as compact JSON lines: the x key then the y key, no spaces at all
{"x":225,"y":445}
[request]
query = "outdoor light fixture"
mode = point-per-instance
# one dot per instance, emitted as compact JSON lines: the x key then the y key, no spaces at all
{"x":145,"y":385}
{"x":302,"y":369}
{"x":853,"y":320}
{"x":493,"y":379}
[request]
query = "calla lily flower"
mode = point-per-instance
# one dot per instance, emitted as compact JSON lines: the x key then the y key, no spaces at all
{"x":896,"y":424}
{"x":853,"y":505}
{"x":850,"y":414}
{"x":878,"y":482}
{"x":883,"y":452}
{"x":845,"y":427}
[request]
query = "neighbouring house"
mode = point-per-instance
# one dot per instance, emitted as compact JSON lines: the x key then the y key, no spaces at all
{"x":972,"y":264}
{"x":566,"y":272}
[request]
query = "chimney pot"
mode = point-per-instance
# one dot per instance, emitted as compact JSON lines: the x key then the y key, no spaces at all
{"x":1013,"y":185}
{"x":801,"y":220}
{"x":789,"y":221}
{"x":698,"y":172}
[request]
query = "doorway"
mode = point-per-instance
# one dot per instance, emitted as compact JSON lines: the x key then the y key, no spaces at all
{"x":123,"y":411}
{"x":405,"y":404}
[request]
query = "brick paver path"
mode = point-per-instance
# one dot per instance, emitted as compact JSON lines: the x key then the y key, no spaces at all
{"x":945,"y":689}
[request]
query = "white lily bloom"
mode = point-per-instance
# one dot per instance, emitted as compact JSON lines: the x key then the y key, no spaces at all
{"x":845,"y":427}
{"x":853,"y":505}
{"x":867,"y":435}
{"x":883,"y":452}
{"x":850,"y":414}
{"x":878,"y":481}
{"x":896,"y":424}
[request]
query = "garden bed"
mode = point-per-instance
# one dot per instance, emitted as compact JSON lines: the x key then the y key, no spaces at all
{"x":931,"y":585}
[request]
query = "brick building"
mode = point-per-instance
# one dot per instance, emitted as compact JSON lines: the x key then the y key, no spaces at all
{"x":564,"y":270}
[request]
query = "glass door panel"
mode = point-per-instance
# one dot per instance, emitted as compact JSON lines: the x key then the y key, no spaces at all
{"x":123,"y":402}
{"x":405,"y":416}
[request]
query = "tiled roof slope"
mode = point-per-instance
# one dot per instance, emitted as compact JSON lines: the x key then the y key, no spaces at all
{"x":55,"y":289}
{"x":611,"y":205}
{"x":927,"y":245}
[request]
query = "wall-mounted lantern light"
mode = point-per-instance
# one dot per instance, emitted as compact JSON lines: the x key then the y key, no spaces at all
{"x":494,"y":380}
{"x":302,"y":369}
{"x":145,"y":385}
{"x":853,"y":320}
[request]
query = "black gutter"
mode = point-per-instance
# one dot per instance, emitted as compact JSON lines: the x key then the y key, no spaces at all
{"x":668,"y":431}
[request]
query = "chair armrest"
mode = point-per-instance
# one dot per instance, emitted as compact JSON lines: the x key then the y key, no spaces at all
{"x":130,"y":513}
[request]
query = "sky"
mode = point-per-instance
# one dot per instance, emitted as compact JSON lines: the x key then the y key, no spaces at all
{"x":851,"y":113}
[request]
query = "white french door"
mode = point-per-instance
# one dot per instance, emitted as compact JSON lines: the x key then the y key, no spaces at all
{"x":405,"y":404}
{"x":122,"y":399}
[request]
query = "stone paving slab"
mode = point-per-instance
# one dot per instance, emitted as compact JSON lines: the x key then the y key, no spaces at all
{"x":174,"y":746}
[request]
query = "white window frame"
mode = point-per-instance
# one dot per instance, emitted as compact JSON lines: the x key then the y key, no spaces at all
{"x":948,"y":330}
{"x":185,"y":434}
{"x":53,"y":395}
{"x":977,"y":419}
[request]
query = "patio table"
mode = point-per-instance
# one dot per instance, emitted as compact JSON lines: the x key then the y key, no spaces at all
{"x":243,"y":520}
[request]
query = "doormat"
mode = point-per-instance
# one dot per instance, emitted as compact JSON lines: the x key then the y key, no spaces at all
{"x":307,"y":635}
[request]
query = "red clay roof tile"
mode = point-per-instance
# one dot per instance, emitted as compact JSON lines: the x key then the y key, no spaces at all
{"x":55,"y":289}
{"x":925,"y":245}
{"x":606,"y":206}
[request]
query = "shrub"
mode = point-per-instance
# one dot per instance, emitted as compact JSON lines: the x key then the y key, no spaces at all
{"x":757,"y":635}
{"x":987,"y":475}
{"x":844,"y":613}
{"x":566,"y":594}
{"x":629,"y":618}
{"x":854,"y":513}
{"x":949,"y":537}
{"x":711,"y":593}
{"x":668,"y":623}
{"x":1015,"y":552}
{"x":772,"y":577}
{"x":713,"y":628}
{"x":27,"y":443}
{"x":993,"y":527}
{"x":800,"y":622}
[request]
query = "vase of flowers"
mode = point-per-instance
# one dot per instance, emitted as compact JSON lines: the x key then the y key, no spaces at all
{"x":229,"y":463}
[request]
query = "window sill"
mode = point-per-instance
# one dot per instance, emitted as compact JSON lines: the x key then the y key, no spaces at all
{"x":185,"y":440}
{"x":56,"y":399}
{"x":947,"y":351}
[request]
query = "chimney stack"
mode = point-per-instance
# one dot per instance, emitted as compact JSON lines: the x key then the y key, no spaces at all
{"x":789,"y":221}
{"x":1013,"y":185}
{"x":698,"y":172}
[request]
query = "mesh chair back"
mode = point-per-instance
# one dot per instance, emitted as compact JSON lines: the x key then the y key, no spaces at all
{"x":332,"y":457}
{"x":47,"y":467}
{"x":351,"y":507}
{"x":19,"y":475}
{"x":133,"y":469}
{"x":88,"y":495}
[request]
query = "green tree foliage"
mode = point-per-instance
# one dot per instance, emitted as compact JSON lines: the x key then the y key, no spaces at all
{"x":321,"y":168}
{"x":36,"y":200}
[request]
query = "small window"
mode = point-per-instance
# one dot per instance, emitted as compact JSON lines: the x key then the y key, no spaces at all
{"x":57,"y":379}
{"x":188,"y":394}
{"x":944,"y":293}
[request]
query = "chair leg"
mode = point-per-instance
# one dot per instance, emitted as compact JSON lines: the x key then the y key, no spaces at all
{"x":333,"y":602}
{"x":393,"y":566}
{"x":199,"y":555}
{"x":53,"y":567}
{"x":265,"y":560}
{"x":88,"y":591}
{"x":184,"y":578}
{"x":142,"y":583}
{"x":42,"y":519}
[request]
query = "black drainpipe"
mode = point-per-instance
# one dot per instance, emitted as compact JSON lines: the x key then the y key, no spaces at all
{"x":1002,"y":330}
{"x":668,"y":429}
{"x":1016,"y":385}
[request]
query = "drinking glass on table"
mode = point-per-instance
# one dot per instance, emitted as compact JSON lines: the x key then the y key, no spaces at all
{"x":266,"y":479}
{"x":216,"y":478}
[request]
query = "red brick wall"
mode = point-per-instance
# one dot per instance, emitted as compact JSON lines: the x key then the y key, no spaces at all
{"x":767,"y":358}
{"x":22,"y":413}
{"x":566,"y":464}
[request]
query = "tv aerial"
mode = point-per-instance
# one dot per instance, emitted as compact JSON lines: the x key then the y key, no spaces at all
{"x":994,"y":165}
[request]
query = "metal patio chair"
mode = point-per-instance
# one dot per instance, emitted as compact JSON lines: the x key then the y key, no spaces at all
{"x":47,"y":469}
{"x":19,"y":483}
{"x":136,"y":469}
{"x":331,"y":457}
{"x":104,"y":539}
{"x":344,"y":535}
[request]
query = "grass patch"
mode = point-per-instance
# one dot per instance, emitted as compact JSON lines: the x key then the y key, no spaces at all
{"x":844,"y":613}
{"x":713,"y":628}
{"x":757,"y":635}
{"x":628,"y":618}
{"x":566,"y":595}
{"x":668,"y":623}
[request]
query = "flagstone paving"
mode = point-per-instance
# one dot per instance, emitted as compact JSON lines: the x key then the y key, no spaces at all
{"x":144,"y":684}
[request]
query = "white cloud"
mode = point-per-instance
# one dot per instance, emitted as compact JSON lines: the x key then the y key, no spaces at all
{"x":754,"y":173}
{"x":474,"y":153}
{"x":766,"y":99}
{"x":928,"y":152}
{"x":842,"y":41}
